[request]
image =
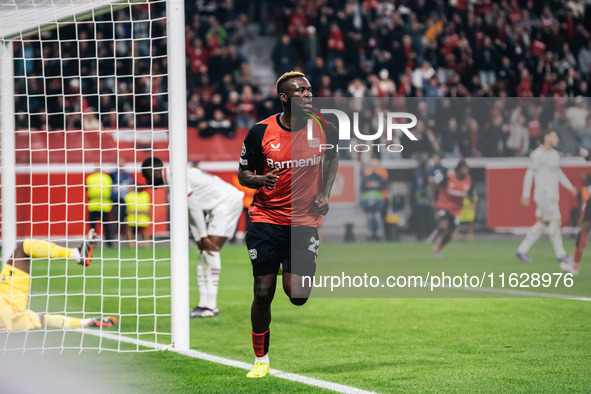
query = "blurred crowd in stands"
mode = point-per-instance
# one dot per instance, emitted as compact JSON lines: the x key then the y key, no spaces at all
{"x":110,"y":72}
{"x":356,"y":48}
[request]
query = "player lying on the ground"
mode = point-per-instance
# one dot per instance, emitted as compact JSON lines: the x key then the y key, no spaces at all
{"x":15,"y":284}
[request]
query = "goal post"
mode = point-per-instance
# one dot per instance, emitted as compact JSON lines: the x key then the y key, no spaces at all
{"x":88,"y":85}
{"x":8,"y":148}
{"x":178,"y":165}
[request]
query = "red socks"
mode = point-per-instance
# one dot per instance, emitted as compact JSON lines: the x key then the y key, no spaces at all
{"x":440,"y":245}
{"x":260,"y":343}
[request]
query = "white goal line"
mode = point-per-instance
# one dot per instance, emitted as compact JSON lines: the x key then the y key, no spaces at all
{"x":339,"y":388}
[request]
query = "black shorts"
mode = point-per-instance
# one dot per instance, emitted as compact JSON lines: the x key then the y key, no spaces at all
{"x":444,"y":214}
{"x":272,"y":245}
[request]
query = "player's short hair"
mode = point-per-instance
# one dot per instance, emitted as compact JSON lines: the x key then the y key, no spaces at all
{"x":152,"y":162}
{"x":547,"y":132}
{"x":286,"y":77}
{"x":461,"y":163}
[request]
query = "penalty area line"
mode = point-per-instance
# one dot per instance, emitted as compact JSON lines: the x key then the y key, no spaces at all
{"x":339,"y":388}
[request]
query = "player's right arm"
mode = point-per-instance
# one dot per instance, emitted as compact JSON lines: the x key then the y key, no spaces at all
{"x":249,"y":179}
{"x":252,"y":163}
{"x":529,"y":178}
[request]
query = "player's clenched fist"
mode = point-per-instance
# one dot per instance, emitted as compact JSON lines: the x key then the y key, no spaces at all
{"x":270,"y":179}
{"x":321,"y":203}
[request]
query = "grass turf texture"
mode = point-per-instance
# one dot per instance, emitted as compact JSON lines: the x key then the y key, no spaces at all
{"x":384,"y":345}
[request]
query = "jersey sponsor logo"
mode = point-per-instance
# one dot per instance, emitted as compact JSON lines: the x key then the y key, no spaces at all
{"x":296,"y":163}
{"x":243,"y":152}
{"x":275,"y":148}
{"x":252,"y":253}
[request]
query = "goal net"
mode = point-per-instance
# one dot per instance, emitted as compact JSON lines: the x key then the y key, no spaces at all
{"x":85,"y":99}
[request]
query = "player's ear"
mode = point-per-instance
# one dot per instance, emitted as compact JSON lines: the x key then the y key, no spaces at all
{"x":283,"y":97}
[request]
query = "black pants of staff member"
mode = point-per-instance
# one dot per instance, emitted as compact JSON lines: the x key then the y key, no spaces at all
{"x":119,"y":214}
{"x":94,"y":217}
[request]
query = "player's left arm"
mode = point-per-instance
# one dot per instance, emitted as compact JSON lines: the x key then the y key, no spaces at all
{"x":528,"y":179}
{"x":196,"y":218}
{"x":330,"y":166}
{"x":198,"y":227}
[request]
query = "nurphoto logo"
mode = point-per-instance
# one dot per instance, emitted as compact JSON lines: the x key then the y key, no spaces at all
{"x":391,"y":120}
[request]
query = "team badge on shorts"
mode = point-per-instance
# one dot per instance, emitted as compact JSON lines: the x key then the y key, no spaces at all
{"x":252,"y":253}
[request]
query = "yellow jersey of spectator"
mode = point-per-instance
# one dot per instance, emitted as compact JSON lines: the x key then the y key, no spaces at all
{"x":468,"y":213}
{"x":99,"y":192}
{"x":137,"y":205}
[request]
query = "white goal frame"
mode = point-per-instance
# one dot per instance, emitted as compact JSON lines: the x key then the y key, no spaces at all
{"x":34,"y":20}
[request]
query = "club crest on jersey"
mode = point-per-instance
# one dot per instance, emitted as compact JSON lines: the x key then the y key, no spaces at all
{"x":314,"y":142}
{"x":252,"y":253}
{"x":275,"y":148}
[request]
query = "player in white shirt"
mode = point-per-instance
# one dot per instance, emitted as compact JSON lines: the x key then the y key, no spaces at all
{"x":214,"y":209}
{"x":544,"y":171}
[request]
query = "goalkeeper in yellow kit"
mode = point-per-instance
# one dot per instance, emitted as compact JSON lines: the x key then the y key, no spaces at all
{"x":15,"y":283}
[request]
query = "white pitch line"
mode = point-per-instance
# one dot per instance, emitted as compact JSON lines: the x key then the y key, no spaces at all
{"x":524,"y":294}
{"x":339,"y":388}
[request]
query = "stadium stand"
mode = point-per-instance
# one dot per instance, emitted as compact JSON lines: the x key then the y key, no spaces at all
{"x":422,"y":48}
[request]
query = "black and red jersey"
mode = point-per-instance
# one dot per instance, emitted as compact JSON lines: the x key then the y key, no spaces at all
{"x":270,"y":145}
{"x":452,"y":193}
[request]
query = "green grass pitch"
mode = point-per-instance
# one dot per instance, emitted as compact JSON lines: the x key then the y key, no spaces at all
{"x":377,"y":344}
